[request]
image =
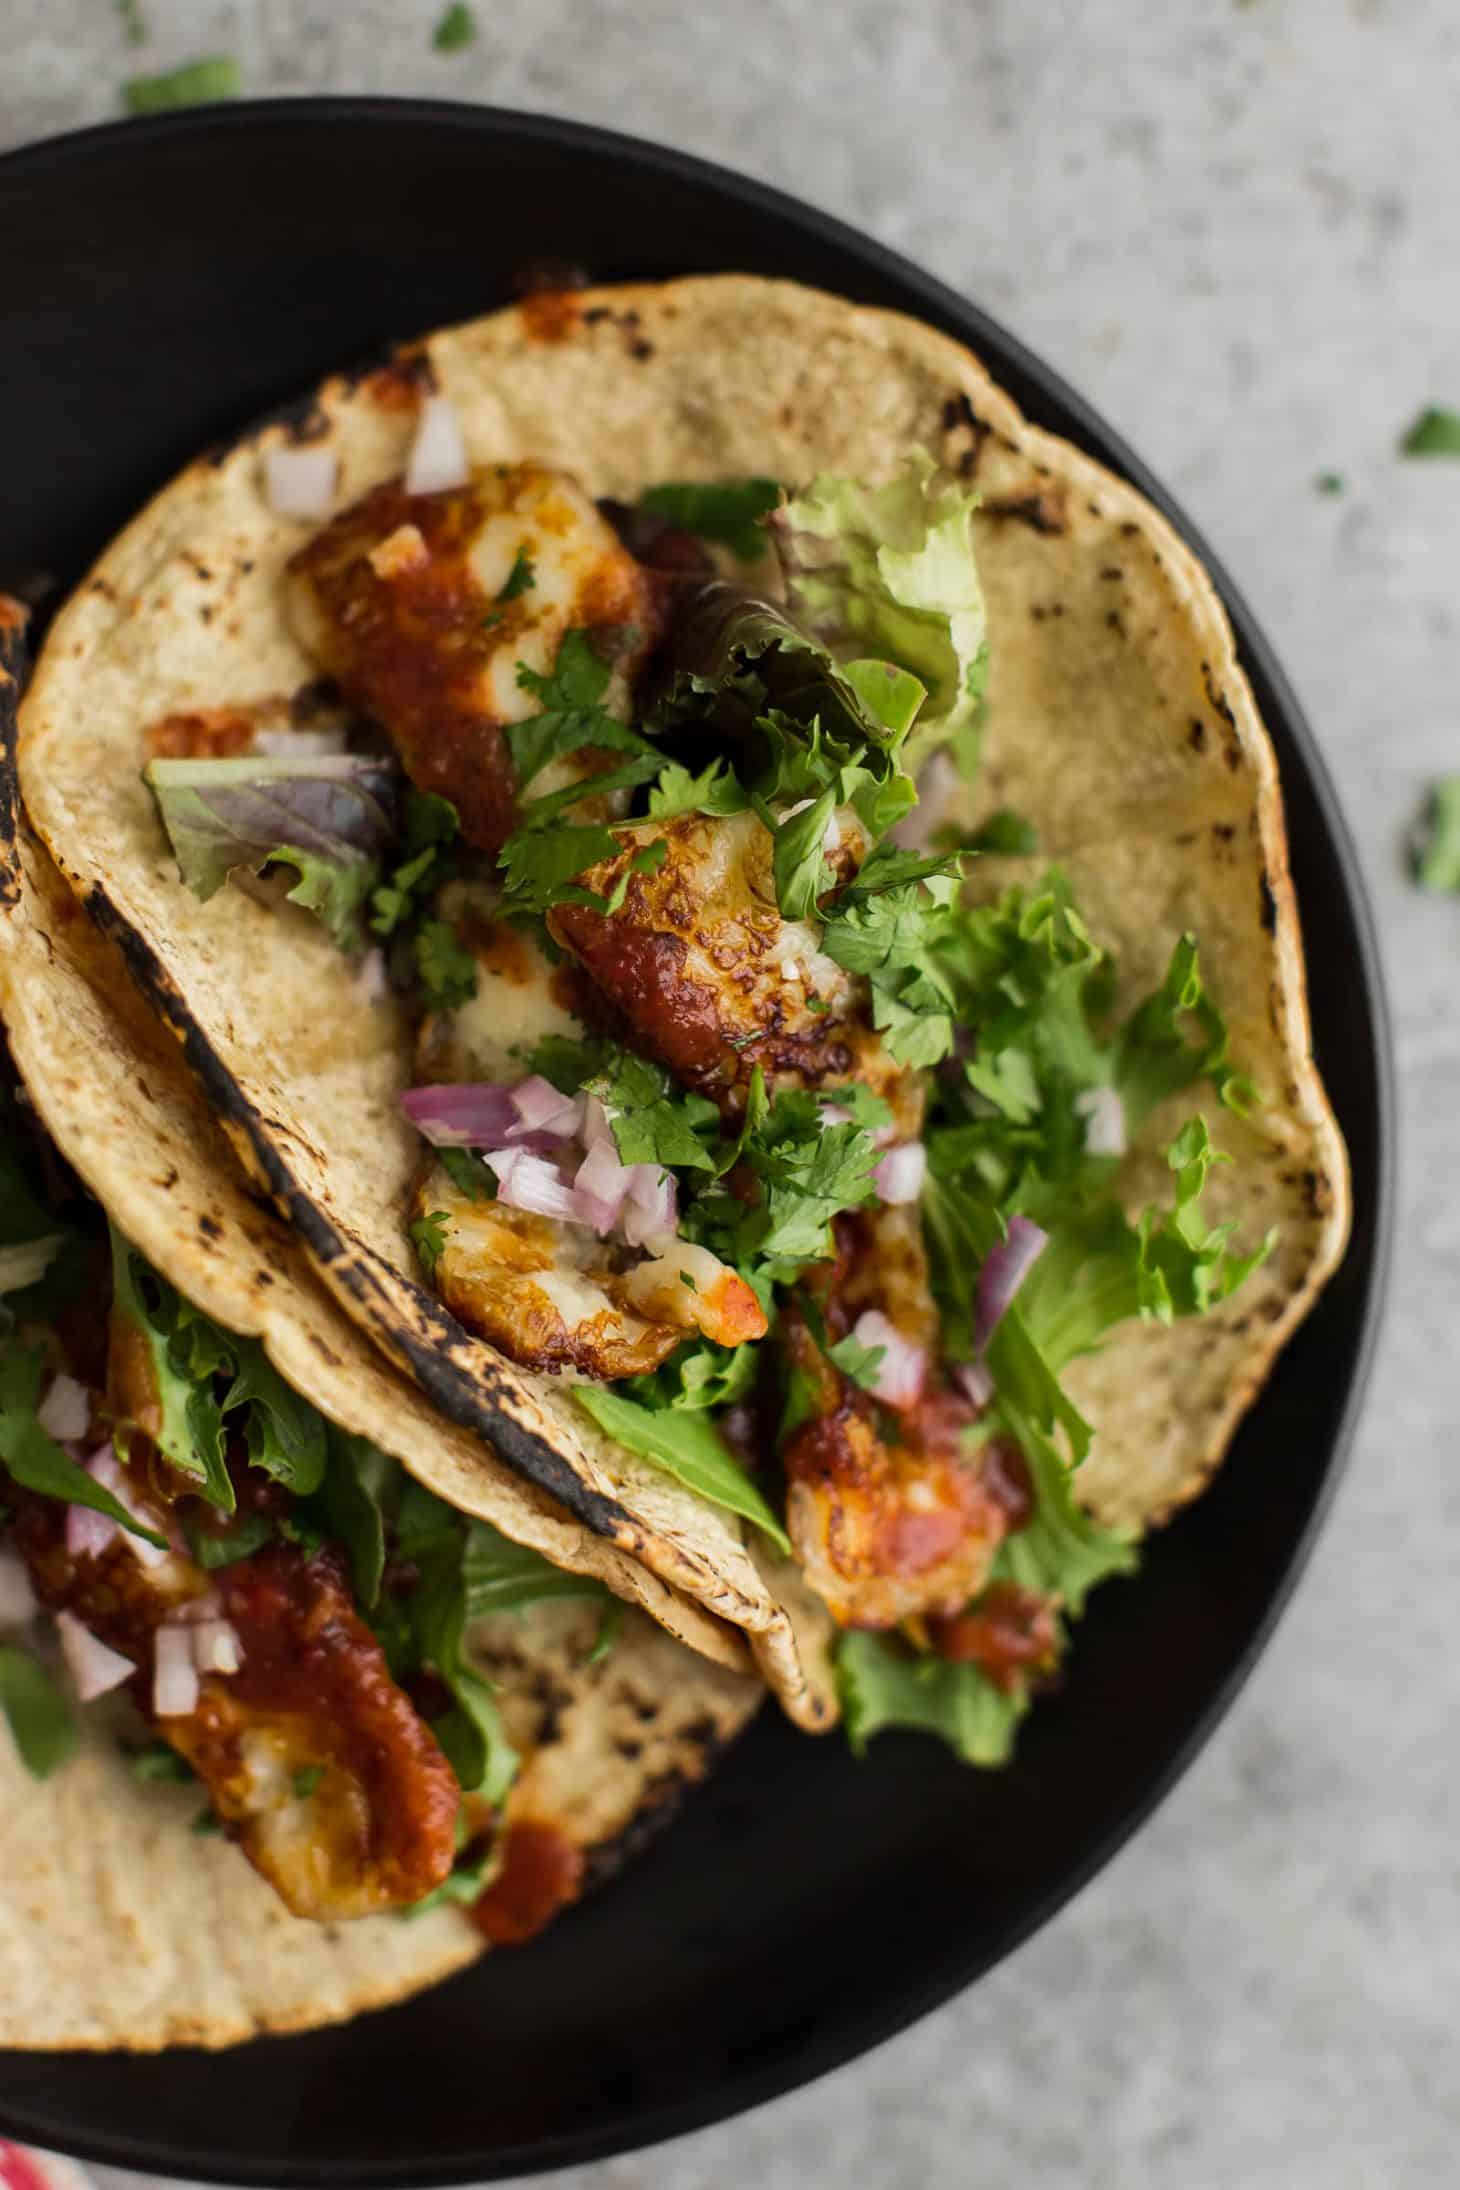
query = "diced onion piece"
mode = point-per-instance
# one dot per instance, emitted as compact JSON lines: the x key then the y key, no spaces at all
{"x":65,"y":1411}
{"x":299,"y":744}
{"x":88,"y":1533}
{"x":103,"y":1467}
{"x":541,"y":1109}
{"x":901,"y":1372}
{"x":600,"y":1187}
{"x":300,"y":482}
{"x":175,"y":1673}
{"x":1004,"y":1271}
{"x":1104,"y":1114}
{"x":94,"y":1667}
{"x":466,"y":1114}
{"x":371,"y":979}
{"x":597,"y":1124}
{"x":17,"y":1598}
{"x":899,"y":1176}
{"x":216,"y":1647}
{"x":525,"y":1181}
{"x":835,"y":1113}
{"x":975,"y":1379}
{"x":438,"y":453}
{"x":28,"y":1263}
{"x":652,"y":1206}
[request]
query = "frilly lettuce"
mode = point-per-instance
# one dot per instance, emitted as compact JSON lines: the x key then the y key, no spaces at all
{"x":889,"y":572}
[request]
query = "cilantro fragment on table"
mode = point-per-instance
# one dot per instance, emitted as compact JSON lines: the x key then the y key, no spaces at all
{"x":1436,"y":855}
{"x":1436,"y":432}
{"x":456,"y":27}
{"x":1330,"y":482}
{"x":196,"y":83}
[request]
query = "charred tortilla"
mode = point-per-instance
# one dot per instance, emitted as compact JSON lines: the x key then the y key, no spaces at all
{"x":1117,"y":716}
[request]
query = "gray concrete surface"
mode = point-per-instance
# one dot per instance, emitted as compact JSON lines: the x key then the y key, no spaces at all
{"x":1234,"y":227}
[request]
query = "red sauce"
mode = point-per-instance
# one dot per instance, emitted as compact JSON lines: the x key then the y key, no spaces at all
{"x":542,"y":1871}
{"x":1008,"y":1631}
{"x":551,"y":315}
{"x":206,"y":733}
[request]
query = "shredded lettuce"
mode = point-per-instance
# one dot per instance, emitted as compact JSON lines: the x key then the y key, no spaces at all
{"x":330,"y":818}
{"x":889,"y":572}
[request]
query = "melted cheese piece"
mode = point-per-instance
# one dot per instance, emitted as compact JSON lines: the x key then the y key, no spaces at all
{"x":425,"y":608}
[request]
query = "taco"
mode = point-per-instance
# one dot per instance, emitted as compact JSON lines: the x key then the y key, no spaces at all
{"x":288,"y":1736}
{"x":757,"y":958}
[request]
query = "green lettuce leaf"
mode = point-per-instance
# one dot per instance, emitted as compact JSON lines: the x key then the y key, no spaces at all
{"x":500,"y":1576}
{"x":331,"y":818}
{"x":884,"y":1683}
{"x":889,"y":571}
{"x":688,"y":1447}
{"x":34,"y":1458}
{"x":38,"y":1715}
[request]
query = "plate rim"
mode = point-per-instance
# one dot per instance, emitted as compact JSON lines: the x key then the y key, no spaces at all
{"x":1080,"y":420}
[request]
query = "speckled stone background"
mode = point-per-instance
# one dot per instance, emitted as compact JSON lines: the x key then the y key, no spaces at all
{"x":1234,"y":227}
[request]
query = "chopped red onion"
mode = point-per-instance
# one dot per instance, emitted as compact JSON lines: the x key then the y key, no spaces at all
{"x":300,"y":482}
{"x":601,"y":1186}
{"x":541,"y":1109}
{"x":17,"y":1598}
{"x":88,"y":1533}
{"x":652,"y":1206}
{"x":175,"y":1673}
{"x":94,"y":1667}
{"x":465,"y":1114}
{"x":438,"y":453}
{"x":975,"y":1379}
{"x":901,"y":1372}
{"x":66,"y":1409}
{"x":103,"y":1467}
{"x":1104,"y":1114}
{"x":597,"y":1124}
{"x":216,"y":1647}
{"x":1004,"y":1271}
{"x":900,"y":1174}
{"x":525,"y":1181}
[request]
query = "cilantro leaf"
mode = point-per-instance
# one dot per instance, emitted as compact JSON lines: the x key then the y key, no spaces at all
{"x":197,"y":83}
{"x":432,"y":824}
{"x":727,"y":510}
{"x":428,"y":1236}
{"x":39,"y":1717}
{"x":573,"y":717}
{"x":809,"y":1173}
{"x":1436,"y":432}
{"x":520,"y":579}
{"x":1154,"y":1059}
{"x":539,"y":866}
{"x":160,"y":1765}
{"x":698,"y":1375}
{"x":1005,"y":832}
{"x":456,"y":27}
{"x":1437,"y":850}
{"x":652,"y":1120}
{"x":467,"y":1173}
{"x":688,"y":1447}
{"x":447,"y":969}
{"x":284,"y":1435}
{"x":716,"y":790}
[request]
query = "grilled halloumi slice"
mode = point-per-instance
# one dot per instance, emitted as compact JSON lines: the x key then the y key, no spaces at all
{"x":423,"y":608}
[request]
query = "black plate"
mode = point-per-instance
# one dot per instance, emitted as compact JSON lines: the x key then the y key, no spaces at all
{"x":164,"y":283}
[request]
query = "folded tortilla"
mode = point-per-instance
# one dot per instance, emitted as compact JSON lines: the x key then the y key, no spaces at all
{"x":1118,"y":719}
